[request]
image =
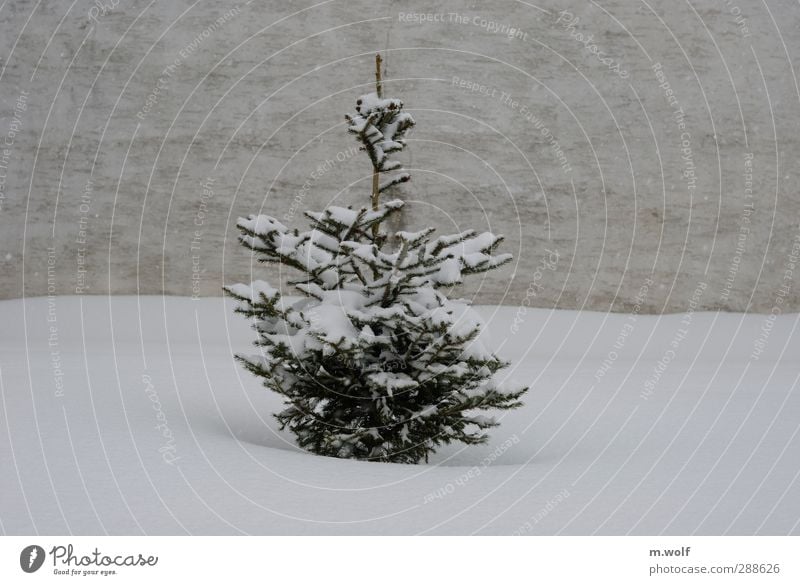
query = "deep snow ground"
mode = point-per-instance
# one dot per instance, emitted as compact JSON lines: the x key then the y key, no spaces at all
{"x":126,"y":416}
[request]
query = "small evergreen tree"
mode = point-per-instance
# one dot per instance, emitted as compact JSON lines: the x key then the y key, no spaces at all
{"x":374,"y":362}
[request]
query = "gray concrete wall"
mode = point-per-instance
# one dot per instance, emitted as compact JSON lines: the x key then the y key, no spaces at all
{"x":662,"y":173}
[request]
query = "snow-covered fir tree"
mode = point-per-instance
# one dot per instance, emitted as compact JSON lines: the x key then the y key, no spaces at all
{"x":374,"y":362}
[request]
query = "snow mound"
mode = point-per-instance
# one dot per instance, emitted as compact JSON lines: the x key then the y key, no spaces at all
{"x":130,"y":416}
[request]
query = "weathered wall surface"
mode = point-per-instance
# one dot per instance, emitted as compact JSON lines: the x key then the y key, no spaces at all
{"x":638,"y":155}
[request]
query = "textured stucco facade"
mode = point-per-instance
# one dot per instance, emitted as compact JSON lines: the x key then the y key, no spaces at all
{"x":638,"y":155}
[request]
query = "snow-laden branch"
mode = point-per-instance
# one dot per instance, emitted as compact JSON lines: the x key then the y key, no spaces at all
{"x":380,"y":125}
